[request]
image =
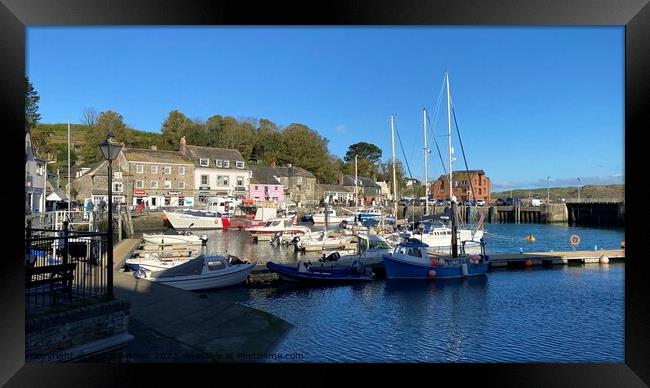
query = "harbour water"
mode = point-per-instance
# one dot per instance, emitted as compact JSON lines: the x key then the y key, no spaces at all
{"x":559,"y":314}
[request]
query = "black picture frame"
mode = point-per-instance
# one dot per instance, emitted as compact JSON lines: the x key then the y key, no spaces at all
{"x":15,"y":15}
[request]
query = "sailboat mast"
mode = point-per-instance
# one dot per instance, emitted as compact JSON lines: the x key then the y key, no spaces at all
{"x":451,"y":150}
{"x":392,"y":136}
{"x":454,"y":237}
{"x":426,"y":155}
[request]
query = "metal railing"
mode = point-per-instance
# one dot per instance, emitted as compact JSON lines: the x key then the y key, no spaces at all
{"x":64,"y":266}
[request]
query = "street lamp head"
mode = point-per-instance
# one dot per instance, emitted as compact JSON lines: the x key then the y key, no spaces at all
{"x":109,"y":149}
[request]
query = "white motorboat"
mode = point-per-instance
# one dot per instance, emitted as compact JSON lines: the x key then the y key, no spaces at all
{"x":200,"y":273}
{"x":318,"y":241}
{"x":329,"y":215}
{"x":438,"y":239}
{"x":201,"y":219}
{"x":278,"y":226}
{"x":370,"y":250}
{"x":172,"y":239}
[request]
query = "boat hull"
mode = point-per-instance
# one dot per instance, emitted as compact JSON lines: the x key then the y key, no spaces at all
{"x":398,"y":268}
{"x":183,"y":220}
{"x":322,"y":274}
{"x":160,"y":239}
{"x":237,"y":274}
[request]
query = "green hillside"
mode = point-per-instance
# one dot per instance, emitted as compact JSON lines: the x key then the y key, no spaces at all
{"x":557,"y":193}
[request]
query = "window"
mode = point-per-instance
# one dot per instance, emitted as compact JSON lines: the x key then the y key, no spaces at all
{"x":277,"y":188}
{"x":240,"y":181}
{"x":181,"y":170}
{"x":153,"y":184}
{"x":222,"y":180}
{"x":299,"y":180}
{"x":39,"y":169}
{"x":139,"y":184}
{"x":256,"y":188}
{"x":239,"y":164}
{"x":204,"y":162}
{"x":219,"y":163}
{"x":117,"y":187}
{"x":215,"y":265}
{"x":168,"y":185}
{"x":167,"y":170}
{"x":204,"y":179}
{"x":181,"y":185}
{"x":154,"y":169}
{"x":117,"y":175}
{"x":139,"y":169}
{"x":226,"y":163}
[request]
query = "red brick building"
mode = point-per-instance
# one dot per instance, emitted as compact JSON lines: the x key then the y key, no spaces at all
{"x":480,"y":184}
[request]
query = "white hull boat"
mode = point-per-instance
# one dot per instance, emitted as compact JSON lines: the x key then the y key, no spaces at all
{"x":172,"y":239}
{"x":277,"y":226}
{"x":201,"y":219}
{"x":201,"y":273}
{"x":319,"y":241}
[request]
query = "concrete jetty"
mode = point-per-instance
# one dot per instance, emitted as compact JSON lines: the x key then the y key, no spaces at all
{"x":173,"y":325}
{"x":554,"y":258}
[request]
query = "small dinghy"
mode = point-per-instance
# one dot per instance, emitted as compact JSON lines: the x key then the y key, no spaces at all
{"x":306,"y":272}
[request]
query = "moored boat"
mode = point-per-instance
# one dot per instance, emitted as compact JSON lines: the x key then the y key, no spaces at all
{"x":200,"y":273}
{"x":305,"y":272}
{"x":201,"y":219}
{"x":284,"y":226}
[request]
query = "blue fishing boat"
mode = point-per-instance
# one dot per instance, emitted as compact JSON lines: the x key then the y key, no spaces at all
{"x":319,"y":273}
{"x":411,"y":260}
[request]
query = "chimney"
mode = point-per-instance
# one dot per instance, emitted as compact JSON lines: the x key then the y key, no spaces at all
{"x":154,"y":147}
{"x":182,"y":145}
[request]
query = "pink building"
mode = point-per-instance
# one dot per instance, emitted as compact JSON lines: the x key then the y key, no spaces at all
{"x":264,"y":186}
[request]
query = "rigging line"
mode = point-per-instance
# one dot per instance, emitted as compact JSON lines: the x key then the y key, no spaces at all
{"x":408,"y":168}
{"x":444,"y":168}
{"x":460,"y":141}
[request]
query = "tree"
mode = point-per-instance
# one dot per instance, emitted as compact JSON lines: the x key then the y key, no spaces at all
{"x":107,"y":121}
{"x":363,"y":150}
{"x":32,"y":98}
{"x":304,"y":147}
{"x":368,"y":159}
{"x":174,"y":128}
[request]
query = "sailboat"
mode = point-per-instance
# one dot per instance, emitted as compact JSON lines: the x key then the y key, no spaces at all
{"x":412,"y":259}
{"x":438,"y":235}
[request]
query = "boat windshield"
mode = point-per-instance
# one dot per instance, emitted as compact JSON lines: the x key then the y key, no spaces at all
{"x":379,"y":244}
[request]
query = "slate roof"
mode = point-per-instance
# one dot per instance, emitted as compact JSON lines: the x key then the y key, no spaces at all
{"x":155,"y":156}
{"x":199,"y":152}
{"x":348,"y":180}
{"x":283,"y":171}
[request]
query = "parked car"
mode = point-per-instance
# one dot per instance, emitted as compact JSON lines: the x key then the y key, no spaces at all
{"x":480,"y":202}
{"x":513,"y":201}
{"x":501,"y":202}
{"x":536,"y":202}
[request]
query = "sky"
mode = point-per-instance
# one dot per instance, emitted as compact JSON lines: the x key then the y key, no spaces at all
{"x":530,"y":102}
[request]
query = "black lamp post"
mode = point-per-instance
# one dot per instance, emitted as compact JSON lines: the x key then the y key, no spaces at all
{"x":110,"y":152}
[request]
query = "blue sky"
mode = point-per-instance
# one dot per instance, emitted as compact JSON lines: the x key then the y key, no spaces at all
{"x":531,"y":102}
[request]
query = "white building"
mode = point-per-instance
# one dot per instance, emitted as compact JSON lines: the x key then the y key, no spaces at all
{"x":35,"y":173}
{"x":217,"y":171}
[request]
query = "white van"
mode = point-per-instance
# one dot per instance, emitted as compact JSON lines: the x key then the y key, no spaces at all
{"x":536,"y":202}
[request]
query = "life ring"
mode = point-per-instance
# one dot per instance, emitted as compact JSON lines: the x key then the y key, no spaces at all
{"x":432,"y":273}
{"x":531,"y":238}
{"x":575,"y":240}
{"x":216,"y":220}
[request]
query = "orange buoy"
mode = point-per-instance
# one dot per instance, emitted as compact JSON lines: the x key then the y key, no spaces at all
{"x":434,"y":261}
{"x":531,"y":238}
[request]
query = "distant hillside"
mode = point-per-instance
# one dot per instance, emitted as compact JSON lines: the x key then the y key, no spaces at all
{"x":556,"y":193}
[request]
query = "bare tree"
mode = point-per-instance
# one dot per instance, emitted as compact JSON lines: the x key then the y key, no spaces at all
{"x":89,"y":117}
